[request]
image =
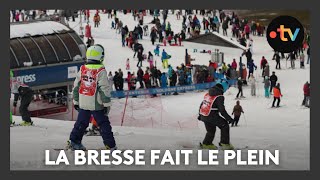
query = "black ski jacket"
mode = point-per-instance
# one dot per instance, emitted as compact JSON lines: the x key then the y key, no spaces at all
{"x":219,"y":105}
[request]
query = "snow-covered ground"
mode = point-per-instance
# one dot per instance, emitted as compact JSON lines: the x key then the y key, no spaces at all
{"x":170,"y":122}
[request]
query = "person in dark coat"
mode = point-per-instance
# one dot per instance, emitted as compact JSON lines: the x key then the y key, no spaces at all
{"x":121,"y":81}
{"x":140,"y":74}
{"x":209,"y":112}
{"x":140,"y":32}
{"x":25,"y":94}
{"x":140,"y":58}
{"x":116,"y":81}
{"x":273,"y":81}
{"x":154,"y":76}
{"x":308,"y":53}
{"x":251,"y":66}
{"x":240,"y":84}
{"x":159,"y":74}
{"x":153,"y":36}
{"x":173,"y":80}
{"x":276,"y":56}
{"x":228,"y":73}
{"x":237,"y":110}
{"x":248,"y":55}
{"x":225,"y":27}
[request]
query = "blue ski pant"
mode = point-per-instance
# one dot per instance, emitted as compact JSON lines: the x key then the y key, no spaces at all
{"x":83,"y":122}
{"x":266,"y":92}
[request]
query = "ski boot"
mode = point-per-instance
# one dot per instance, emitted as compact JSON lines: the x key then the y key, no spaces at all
{"x":26,"y":123}
{"x":12,"y":123}
{"x":208,"y":146}
{"x":226,"y":146}
{"x":73,"y":146}
{"x":111,"y":149}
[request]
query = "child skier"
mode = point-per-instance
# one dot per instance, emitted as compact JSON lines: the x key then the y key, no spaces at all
{"x":210,"y":109}
{"x":276,"y":95}
{"x":266,"y":87}
{"x":113,"y":25}
{"x":128,"y":64}
{"x":240,"y":84}
{"x":92,"y":98}
{"x":157,"y":50}
{"x":237,"y":110}
{"x":150,"y":60}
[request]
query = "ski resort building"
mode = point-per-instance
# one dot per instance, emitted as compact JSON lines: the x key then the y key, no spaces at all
{"x":46,"y":55}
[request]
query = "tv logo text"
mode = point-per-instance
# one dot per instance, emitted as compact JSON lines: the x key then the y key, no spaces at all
{"x":282,"y":31}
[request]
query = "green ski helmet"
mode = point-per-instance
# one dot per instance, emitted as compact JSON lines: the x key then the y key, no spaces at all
{"x":95,"y":53}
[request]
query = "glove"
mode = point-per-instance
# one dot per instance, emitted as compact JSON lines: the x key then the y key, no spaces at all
{"x":76,"y":107}
{"x":106,"y":110}
{"x":15,"y":104}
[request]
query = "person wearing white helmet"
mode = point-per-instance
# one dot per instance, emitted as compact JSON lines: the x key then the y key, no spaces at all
{"x":92,"y":96}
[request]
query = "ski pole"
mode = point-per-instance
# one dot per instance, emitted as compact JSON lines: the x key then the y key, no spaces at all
{"x":245,"y":119}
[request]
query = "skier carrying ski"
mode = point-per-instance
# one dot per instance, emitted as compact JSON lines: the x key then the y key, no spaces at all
{"x":237,"y":110}
{"x":92,"y":93}
{"x":211,"y":106}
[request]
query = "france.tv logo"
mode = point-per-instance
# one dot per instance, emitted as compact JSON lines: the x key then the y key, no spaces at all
{"x":285,"y":34}
{"x":283,"y":30}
